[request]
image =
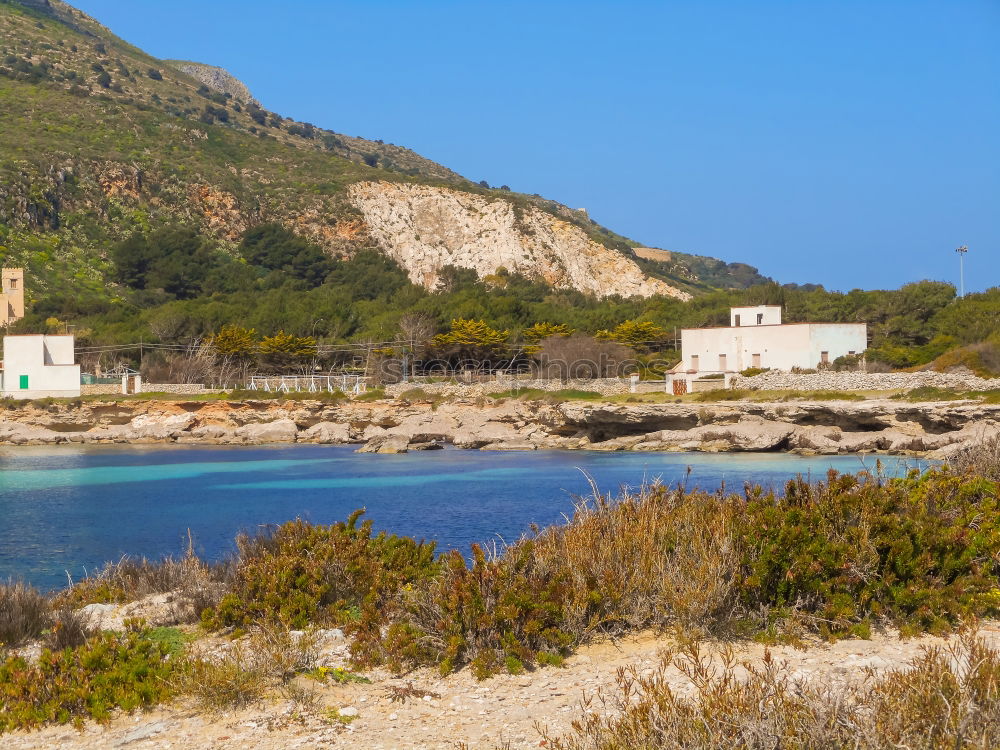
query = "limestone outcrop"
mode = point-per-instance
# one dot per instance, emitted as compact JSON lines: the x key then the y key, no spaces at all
{"x":425,"y":228}
{"x":399,"y":426}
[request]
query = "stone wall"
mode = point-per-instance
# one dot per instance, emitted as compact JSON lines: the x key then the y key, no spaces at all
{"x":864,"y":381}
{"x":604,"y":386}
{"x":100,"y":389}
{"x":187,"y":389}
{"x":115,"y":389}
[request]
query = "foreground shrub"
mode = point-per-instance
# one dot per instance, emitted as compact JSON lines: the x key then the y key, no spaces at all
{"x":24,"y":613}
{"x":981,"y":459}
{"x":499,"y":614}
{"x":301,"y":572}
{"x":267,"y":659}
{"x":197,"y":584}
{"x":836,"y":558}
{"x":110,"y":671}
{"x":946,"y":698}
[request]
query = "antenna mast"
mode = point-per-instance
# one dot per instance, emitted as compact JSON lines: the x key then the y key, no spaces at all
{"x":961,"y":268}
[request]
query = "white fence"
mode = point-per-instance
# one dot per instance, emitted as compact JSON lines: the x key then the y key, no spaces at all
{"x":308,"y":383}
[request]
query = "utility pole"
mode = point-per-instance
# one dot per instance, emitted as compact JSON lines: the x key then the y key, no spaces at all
{"x":961,"y":268}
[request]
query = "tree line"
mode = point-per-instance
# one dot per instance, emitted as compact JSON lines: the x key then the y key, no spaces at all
{"x":176,"y":285}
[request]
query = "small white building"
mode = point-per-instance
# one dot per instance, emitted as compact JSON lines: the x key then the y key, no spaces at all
{"x":756,"y":337}
{"x":37,"y":366}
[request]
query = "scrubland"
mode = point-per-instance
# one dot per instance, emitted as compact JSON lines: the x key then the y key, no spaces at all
{"x":847,"y":558}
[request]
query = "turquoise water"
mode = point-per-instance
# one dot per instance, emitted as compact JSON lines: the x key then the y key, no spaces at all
{"x":67,"y":510}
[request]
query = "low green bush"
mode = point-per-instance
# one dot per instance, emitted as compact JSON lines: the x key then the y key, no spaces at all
{"x":932,"y":393}
{"x":722,"y":394}
{"x":823,"y":396}
{"x":375,"y":394}
{"x":836,"y":558}
{"x":301,"y":573}
{"x":538,"y":394}
{"x":110,"y":671}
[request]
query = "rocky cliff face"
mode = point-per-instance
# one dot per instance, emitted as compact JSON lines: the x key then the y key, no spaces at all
{"x":397,"y":426}
{"x":425,"y":228}
{"x":218,"y":79}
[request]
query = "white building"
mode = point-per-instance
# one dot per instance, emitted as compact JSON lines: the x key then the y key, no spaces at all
{"x":36,"y":366}
{"x":756,"y":337}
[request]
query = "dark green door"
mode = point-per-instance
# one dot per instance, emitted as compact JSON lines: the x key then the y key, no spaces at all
{"x":24,"y":382}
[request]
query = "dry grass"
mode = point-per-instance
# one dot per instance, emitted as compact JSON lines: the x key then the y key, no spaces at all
{"x":264,"y":662}
{"x":24,"y":613}
{"x":982,"y":459}
{"x":69,"y":629}
{"x":946,"y":698}
{"x":836,"y":558}
{"x":197,"y":584}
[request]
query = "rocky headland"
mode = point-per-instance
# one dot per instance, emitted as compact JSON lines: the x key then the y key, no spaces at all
{"x":398,"y":425}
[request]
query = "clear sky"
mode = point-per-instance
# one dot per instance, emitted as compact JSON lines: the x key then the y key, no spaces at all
{"x":850,"y":143}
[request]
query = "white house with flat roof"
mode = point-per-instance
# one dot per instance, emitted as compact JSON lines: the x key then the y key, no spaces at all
{"x":756,"y":337}
{"x":38,"y":365}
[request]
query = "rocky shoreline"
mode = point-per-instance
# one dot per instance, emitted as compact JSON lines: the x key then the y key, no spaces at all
{"x":395,"y":426}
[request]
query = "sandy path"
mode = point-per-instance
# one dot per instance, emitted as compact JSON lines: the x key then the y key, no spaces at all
{"x":480,"y":714}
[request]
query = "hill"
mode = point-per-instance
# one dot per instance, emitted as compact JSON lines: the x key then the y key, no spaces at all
{"x":102,"y":140}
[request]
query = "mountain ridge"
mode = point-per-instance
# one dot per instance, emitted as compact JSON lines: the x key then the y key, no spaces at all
{"x":130,"y":142}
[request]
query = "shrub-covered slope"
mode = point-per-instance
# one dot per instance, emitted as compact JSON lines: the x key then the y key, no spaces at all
{"x":101,"y":140}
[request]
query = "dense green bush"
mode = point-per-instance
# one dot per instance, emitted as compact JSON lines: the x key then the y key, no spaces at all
{"x":836,"y":558}
{"x":110,"y":671}
{"x":301,"y":573}
{"x":273,"y":247}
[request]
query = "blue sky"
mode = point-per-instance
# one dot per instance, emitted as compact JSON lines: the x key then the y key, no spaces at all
{"x":853,"y":144}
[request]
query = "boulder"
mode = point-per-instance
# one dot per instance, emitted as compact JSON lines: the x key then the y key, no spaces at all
{"x":327,"y":433}
{"x":512,"y":445}
{"x":386,"y":443}
{"x":211,"y":432}
{"x":278,"y":431}
{"x":159,"y":426}
{"x":748,"y":435}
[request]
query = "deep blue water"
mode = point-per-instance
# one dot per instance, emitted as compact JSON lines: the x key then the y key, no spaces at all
{"x":71,"y":509}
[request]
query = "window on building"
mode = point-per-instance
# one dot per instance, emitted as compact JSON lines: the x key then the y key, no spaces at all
{"x":12,"y":283}
{"x":722,"y":362}
{"x":755,"y":360}
{"x":694,"y":362}
{"x":760,"y":318}
{"x":824,"y":358}
{"x":24,"y":382}
{"x":737,"y":318}
{"x":851,"y":352}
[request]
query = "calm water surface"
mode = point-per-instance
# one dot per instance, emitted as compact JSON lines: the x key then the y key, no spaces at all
{"x":67,"y":510}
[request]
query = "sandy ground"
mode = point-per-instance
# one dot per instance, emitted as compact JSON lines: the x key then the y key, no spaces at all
{"x":450,"y":711}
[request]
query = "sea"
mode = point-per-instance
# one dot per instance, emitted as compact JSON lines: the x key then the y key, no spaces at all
{"x":67,"y":510}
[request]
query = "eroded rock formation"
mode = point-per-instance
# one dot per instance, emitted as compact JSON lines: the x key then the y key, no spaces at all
{"x":425,"y":228}
{"x":396,"y":426}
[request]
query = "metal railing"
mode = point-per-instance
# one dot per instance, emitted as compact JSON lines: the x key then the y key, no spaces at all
{"x":308,"y":383}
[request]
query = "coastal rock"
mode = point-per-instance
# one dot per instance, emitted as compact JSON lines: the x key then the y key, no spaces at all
{"x":387,"y":443}
{"x":751,"y":435}
{"x":279,"y":431}
{"x":159,"y":427}
{"x":327,"y":433}
{"x":211,"y":432}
